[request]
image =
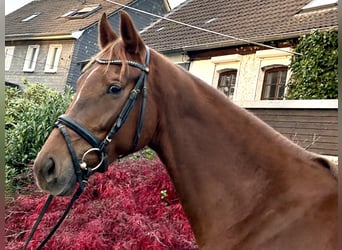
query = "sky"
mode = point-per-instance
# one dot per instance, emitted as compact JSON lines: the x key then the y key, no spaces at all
{"x":12,"y":5}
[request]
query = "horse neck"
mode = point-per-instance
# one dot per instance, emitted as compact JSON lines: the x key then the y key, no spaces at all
{"x":198,"y":124}
{"x":220,"y":157}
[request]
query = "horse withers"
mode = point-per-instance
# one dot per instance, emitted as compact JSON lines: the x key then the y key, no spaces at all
{"x":242,"y":184}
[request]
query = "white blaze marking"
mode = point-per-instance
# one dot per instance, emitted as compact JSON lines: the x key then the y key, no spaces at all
{"x":80,"y":91}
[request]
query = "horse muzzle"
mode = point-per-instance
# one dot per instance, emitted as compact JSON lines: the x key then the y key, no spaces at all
{"x":52,"y":177}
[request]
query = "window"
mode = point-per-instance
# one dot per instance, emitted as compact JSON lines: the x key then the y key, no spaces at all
{"x":226,"y":82}
{"x":31,"y":58}
{"x":53,"y":58}
{"x":84,"y":12}
{"x":69,"y":13}
{"x":9,"y":51}
{"x":211,"y":20}
{"x":29,"y":18}
{"x":274,"y":83}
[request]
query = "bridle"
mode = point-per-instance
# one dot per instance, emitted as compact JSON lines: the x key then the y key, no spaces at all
{"x":82,"y":171}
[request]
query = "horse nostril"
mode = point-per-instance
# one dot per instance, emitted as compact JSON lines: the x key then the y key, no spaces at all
{"x":50,"y":168}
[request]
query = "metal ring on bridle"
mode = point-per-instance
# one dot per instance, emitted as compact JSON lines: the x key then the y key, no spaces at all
{"x":83,"y":164}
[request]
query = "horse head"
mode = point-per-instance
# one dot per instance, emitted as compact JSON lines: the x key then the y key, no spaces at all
{"x":108,"y":115}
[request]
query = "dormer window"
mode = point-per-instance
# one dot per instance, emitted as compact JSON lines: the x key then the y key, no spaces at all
{"x":29,"y":18}
{"x":69,"y":13}
{"x":211,"y":20}
{"x":319,"y":4}
{"x":84,"y":12}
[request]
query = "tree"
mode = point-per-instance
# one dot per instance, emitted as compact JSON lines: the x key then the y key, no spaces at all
{"x":314,"y":73}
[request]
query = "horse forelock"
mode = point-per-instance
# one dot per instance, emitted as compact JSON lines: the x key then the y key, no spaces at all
{"x":113,"y":51}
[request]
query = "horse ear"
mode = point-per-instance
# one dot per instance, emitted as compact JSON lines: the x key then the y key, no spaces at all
{"x":106,"y":33}
{"x":130,"y":36}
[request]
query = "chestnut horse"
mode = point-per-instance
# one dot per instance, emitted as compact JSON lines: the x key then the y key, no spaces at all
{"x":242,"y":184}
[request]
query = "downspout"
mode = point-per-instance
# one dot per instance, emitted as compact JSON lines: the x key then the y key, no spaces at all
{"x":185,"y":55}
{"x":212,"y":79}
{"x":76,"y":35}
{"x":237,"y":81}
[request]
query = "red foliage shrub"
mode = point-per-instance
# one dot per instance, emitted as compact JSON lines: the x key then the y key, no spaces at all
{"x":120,"y":209}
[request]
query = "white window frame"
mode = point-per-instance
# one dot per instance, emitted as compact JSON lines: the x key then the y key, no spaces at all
{"x":53,"y":57}
{"x":82,"y":13}
{"x":29,"y":18}
{"x":224,"y":72}
{"x":69,"y":13}
{"x":31,"y":59}
{"x":266,"y":70}
{"x":9,"y":52}
{"x":269,"y":58}
{"x":226,"y":63}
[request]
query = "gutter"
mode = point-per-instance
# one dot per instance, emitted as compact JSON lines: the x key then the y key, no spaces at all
{"x":264,"y":39}
{"x":47,"y":36}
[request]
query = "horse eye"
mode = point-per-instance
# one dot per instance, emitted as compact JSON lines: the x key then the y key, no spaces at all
{"x":114,"y":89}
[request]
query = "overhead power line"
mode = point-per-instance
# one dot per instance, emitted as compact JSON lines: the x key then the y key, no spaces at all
{"x":204,"y":30}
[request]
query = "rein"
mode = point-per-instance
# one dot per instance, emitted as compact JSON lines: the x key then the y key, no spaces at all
{"x":82,"y":171}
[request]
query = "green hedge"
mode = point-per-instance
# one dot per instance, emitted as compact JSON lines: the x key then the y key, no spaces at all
{"x":29,"y":118}
{"x":314,"y":73}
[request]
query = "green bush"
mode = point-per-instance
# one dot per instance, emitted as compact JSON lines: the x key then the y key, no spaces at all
{"x":29,"y":118}
{"x":314,"y":73}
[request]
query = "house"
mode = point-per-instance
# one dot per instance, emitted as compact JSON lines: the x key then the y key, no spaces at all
{"x":243,"y":48}
{"x":47,"y":41}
